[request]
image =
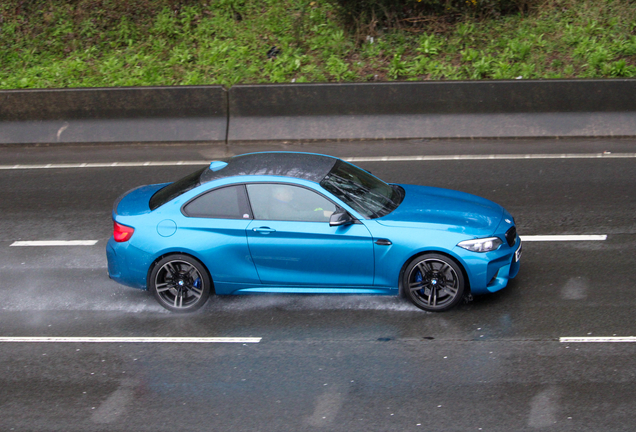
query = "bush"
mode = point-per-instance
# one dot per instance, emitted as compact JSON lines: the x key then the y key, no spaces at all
{"x":356,"y":14}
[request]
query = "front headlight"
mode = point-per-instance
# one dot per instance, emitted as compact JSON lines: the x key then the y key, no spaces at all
{"x":481,"y":245}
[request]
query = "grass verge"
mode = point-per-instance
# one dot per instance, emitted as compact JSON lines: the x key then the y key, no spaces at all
{"x":101,"y":43}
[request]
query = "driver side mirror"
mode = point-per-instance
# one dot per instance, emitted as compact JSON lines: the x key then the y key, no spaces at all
{"x":341,"y":217}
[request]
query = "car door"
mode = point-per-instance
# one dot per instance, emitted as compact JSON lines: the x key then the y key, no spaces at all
{"x":292,"y":243}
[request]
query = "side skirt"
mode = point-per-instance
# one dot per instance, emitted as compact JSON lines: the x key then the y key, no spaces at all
{"x":239,"y":289}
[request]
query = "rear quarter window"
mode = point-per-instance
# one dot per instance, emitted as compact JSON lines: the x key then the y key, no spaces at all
{"x":224,"y":203}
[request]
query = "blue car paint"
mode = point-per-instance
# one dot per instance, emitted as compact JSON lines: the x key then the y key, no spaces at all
{"x":452,"y":211}
{"x":298,"y":253}
{"x":135,"y":201}
{"x":312,"y":257}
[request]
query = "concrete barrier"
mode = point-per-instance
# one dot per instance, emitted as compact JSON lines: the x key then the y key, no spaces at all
{"x":129,"y":114}
{"x":247,"y":113}
{"x":451,"y":109}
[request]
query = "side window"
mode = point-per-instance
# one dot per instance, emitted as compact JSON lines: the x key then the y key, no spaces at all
{"x":224,"y":203}
{"x":290,"y":203}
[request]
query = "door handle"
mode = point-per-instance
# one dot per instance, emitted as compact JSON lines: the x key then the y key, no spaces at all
{"x":264,"y":230}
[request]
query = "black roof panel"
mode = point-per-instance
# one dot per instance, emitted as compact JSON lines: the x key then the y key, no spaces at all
{"x":307,"y":166}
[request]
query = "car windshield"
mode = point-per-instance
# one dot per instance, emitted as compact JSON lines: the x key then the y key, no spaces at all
{"x":175,"y":189}
{"x":366,"y":194}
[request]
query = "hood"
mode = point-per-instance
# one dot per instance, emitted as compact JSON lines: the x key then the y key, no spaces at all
{"x":135,"y":201}
{"x":445,"y":209}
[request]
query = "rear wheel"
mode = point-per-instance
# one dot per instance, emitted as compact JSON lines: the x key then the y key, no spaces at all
{"x":180,"y":283}
{"x":433,"y":282}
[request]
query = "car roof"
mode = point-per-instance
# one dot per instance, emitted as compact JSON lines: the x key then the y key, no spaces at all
{"x":306,"y":166}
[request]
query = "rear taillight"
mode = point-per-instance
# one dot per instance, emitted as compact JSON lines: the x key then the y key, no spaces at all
{"x":122,"y":233}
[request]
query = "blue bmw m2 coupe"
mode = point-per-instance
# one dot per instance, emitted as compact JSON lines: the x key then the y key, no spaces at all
{"x":283,"y":222}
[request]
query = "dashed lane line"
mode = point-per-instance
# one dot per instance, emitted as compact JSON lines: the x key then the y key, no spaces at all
{"x":604,"y":339}
{"x":55,"y":243}
{"x":552,"y":238}
{"x":604,"y":155}
{"x":131,"y":339}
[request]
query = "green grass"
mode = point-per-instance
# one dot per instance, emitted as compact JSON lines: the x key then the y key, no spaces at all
{"x":104,"y":43}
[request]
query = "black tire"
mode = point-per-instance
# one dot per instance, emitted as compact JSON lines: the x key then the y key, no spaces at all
{"x":433,"y":282}
{"x":180,"y":283}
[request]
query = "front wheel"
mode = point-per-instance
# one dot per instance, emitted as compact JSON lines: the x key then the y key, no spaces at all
{"x":180,"y":283}
{"x":433,"y":282}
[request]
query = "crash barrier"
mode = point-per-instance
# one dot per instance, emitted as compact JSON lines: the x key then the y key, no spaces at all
{"x":478,"y":109}
{"x":126,"y":114}
{"x":247,"y":113}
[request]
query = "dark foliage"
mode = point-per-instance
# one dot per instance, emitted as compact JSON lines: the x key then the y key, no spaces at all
{"x":356,"y":14}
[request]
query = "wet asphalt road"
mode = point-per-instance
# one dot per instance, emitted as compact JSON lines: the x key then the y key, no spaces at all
{"x":333,"y":363}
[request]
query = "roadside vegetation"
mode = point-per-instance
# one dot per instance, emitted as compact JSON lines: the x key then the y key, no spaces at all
{"x":104,"y":43}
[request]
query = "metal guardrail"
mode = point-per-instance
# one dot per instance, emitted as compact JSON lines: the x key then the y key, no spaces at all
{"x":245,"y":113}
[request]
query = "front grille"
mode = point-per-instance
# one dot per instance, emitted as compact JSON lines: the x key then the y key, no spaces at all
{"x":511,"y":236}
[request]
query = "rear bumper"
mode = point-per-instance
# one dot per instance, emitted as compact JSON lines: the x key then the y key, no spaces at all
{"x":120,"y":261}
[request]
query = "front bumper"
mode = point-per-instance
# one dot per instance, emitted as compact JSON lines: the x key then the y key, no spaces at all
{"x":506,"y":272}
{"x":491,"y":271}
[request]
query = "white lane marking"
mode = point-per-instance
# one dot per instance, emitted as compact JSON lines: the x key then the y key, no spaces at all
{"x":598,"y":339}
{"x":491,"y":157}
{"x":55,"y":243}
{"x":100,"y":165}
{"x":133,"y":339}
{"x":525,"y":238}
{"x":549,"y":238}
{"x":348,"y":159}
